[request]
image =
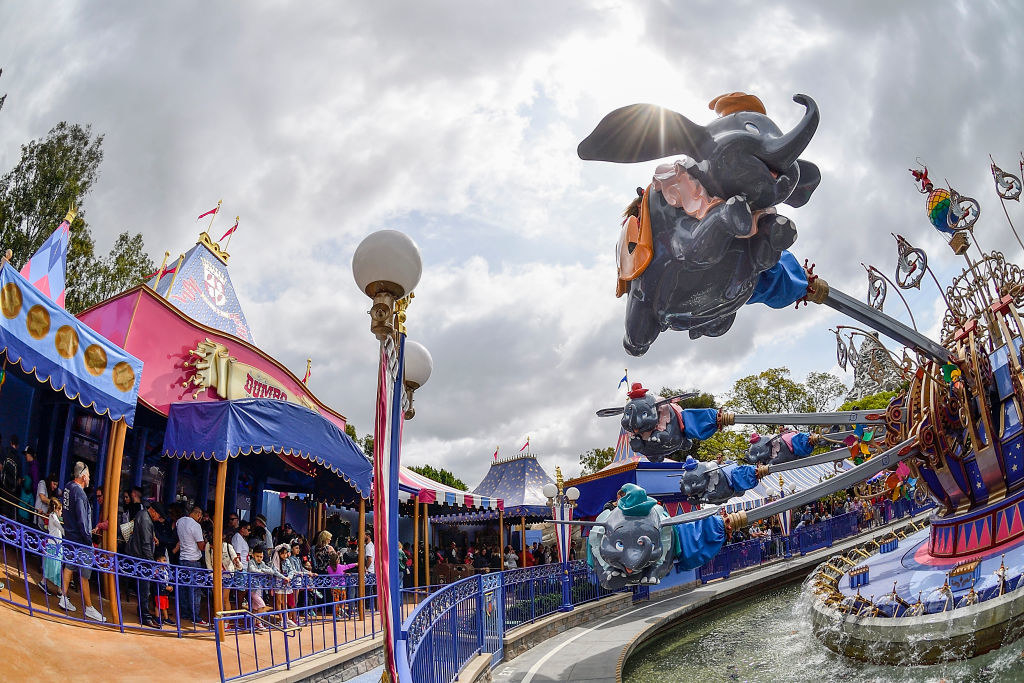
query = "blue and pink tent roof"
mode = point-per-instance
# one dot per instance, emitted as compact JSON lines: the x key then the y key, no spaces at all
{"x":519,"y":482}
{"x":200,"y":287}
{"x":429,"y":491}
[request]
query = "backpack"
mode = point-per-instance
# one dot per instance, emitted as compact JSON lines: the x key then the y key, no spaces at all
{"x":9,"y":474}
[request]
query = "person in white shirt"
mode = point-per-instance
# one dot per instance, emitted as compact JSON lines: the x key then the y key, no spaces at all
{"x":192,"y":542}
{"x":369,"y":552}
{"x":44,"y":489}
{"x":240,"y":542}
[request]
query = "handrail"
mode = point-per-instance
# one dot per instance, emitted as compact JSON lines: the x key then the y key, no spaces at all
{"x":4,"y":497}
{"x":459,"y":621}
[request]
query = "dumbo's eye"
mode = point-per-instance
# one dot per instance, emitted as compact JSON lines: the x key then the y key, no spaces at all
{"x":618,"y":545}
{"x":751,"y":128}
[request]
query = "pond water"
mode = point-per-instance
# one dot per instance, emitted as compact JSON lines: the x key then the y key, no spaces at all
{"x":768,"y":638}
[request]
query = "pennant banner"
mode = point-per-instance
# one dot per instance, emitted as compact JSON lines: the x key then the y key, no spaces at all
{"x":47,"y":268}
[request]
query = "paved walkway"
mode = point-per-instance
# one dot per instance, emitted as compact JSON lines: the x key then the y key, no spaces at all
{"x":591,"y":653}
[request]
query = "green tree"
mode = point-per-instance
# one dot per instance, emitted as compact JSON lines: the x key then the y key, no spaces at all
{"x":701,"y":400}
{"x":53,"y":175}
{"x":874,"y":401}
{"x":441,"y":476}
{"x":771,"y":391}
{"x":595,"y":459}
{"x":823,"y":391}
{"x":730,"y":444}
{"x":365,"y":442}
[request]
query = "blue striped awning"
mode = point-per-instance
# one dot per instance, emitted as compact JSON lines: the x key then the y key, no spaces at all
{"x":794,"y":481}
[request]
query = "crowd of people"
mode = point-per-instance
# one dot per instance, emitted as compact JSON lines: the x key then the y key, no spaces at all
{"x":178,"y":534}
{"x":490,"y":557}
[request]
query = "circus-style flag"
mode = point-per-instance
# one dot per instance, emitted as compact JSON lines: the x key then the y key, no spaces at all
{"x":496,"y":452}
{"x":161,"y":272}
{"x":211,"y":212}
{"x":525,"y":445}
{"x":309,"y":365}
{"x":46,"y":270}
{"x":624,"y":380}
{"x":230,"y":230}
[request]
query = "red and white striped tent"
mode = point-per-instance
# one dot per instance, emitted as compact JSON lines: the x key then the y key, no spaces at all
{"x":429,"y":491}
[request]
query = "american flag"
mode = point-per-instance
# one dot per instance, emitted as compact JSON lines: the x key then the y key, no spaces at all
{"x":387,"y":437}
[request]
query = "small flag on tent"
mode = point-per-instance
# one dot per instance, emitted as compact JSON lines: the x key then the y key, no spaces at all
{"x":211,"y":212}
{"x":47,"y":268}
{"x":496,"y":452}
{"x":525,"y":445}
{"x":624,"y":380}
{"x":309,"y":365}
{"x":230,"y":230}
{"x":162,"y":272}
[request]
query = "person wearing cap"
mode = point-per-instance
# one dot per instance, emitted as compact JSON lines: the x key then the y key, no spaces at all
{"x":260,"y":533}
{"x":141,"y":545}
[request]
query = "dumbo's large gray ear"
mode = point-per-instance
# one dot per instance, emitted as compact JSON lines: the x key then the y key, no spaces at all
{"x":642,"y":132}
{"x":810,"y":176}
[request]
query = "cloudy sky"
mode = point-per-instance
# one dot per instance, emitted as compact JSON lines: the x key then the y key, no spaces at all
{"x":457,"y":122}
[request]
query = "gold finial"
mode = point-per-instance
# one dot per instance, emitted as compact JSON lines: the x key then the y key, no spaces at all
{"x":400,"y":307}
{"x":559,"y":480}
{"x":71,"y":214}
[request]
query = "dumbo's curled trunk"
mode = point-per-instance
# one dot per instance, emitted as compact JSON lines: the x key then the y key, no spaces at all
{"x":782,"y":152}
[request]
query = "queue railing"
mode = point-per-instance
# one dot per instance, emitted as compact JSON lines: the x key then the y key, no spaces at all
{"x":60,"y":578}
{"x":256,"y":642}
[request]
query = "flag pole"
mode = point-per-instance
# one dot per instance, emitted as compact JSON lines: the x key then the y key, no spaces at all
{"x":214,"y":217}
{"x":160,"y":273}
{"x":232,"y":233}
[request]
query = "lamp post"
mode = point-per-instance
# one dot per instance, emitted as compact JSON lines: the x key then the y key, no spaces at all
{"x":387,"y":267}
{"x":562,"y":502}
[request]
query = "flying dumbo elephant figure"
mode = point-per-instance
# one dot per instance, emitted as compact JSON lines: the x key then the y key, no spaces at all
{"x":631,"y":547}
{"x":707,"y":482}
{"x":658,"y":427}
{"x":780,"y":448}
{"x":696,"y":241}
{"x":635,"y":542}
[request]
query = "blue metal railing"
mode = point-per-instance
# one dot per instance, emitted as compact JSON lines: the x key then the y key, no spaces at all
{"x":803,"y":540}
{"x":438,"y":638}
{"x":259,"y":642}
{"x":30,"y":555}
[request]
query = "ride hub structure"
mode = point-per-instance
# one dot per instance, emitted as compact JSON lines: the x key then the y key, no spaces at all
{"x":703,"y":239}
